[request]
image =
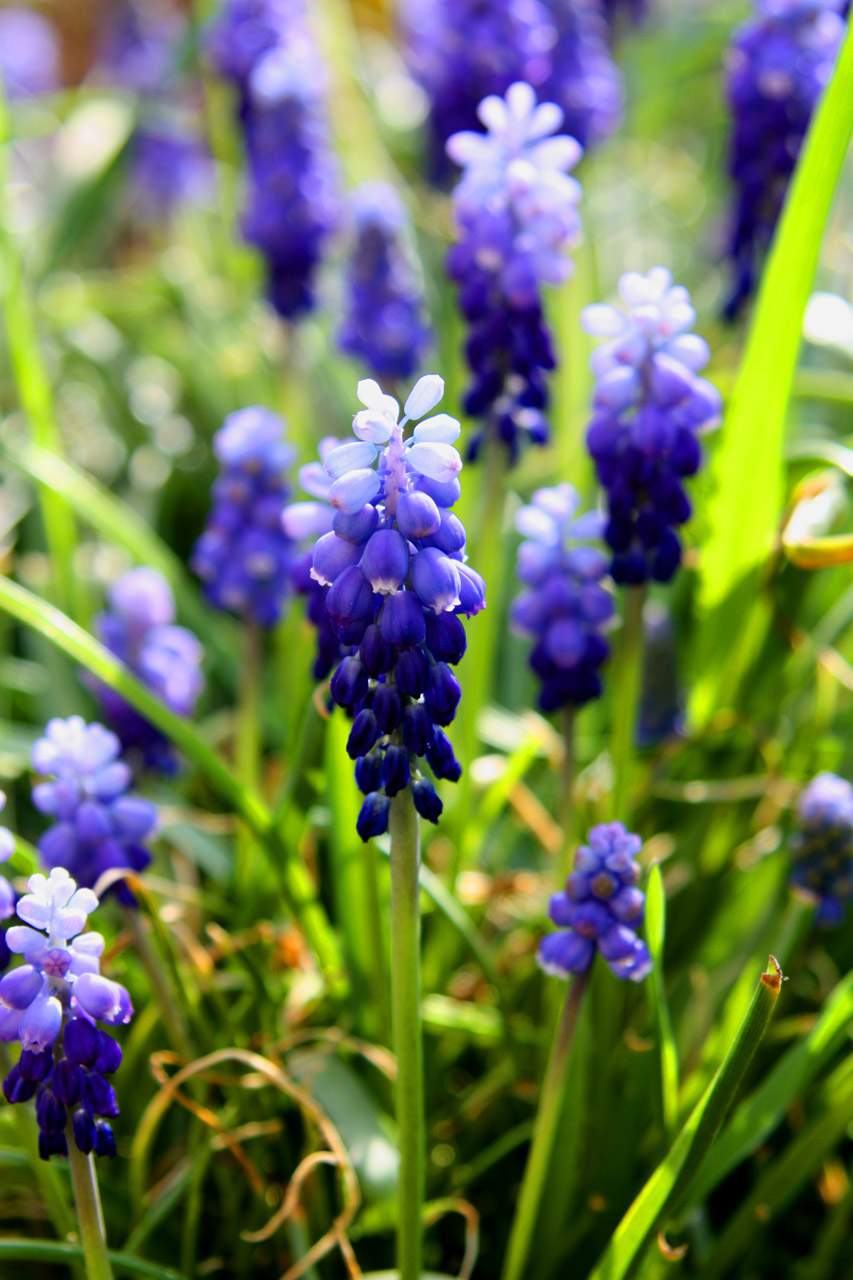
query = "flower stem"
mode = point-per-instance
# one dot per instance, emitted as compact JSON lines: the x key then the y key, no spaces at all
{"x":544,"y":1134}
{"x":566,"y":807}
{"x":626,"y":696}
{"x":90,"y":1218}
{"x":406,"y":1021}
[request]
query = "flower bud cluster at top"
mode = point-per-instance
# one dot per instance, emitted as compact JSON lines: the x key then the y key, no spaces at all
{"x":515,"y":209}
{"x":394,"y":563}
{"x":779,"y":64}
{"x":139,"y":628}
{"x":98,"y":827}
{"x":305,"y":522}
{"x":565,"y":607}
{"x":51,"y":1004}
{"x":648,"y":406}
{"x":461,"y":51}
{"x":823,"y":847}
{"x":383,"y":324}
{"x":244,"y":557}
{"x":265,"y":47}
{"x":600,"y":910}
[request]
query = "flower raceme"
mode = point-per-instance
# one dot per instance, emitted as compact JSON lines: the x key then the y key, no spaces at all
{"x":823,"y":847}
{"x":244,"y":557}
{"x":778,"y":66}
{"x":515,"y":209}
{"x":564,"y":608}
{"x":600,"y":910}
{"x":98,"y":827}
{"x":383,"y":323}
{"x":398,"y":582}
{"x":648,"y":407}
{"x":139,"y":628}
{"x":51,"y":1005}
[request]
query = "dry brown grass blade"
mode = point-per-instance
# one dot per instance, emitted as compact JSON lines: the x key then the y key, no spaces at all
{"x":466,"y":1210}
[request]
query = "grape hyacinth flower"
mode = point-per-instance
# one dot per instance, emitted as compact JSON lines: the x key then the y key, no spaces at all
{"x":244,"y":557}
{"x":98,"y":826}
{"x":823,"y":847}
{"x":460,"y":53}
{"x":649,"y":406}
{"x":565,"y":608}
{"x":265,"y":48}
{"x":51,"y":1004}
{"x":778,"y":66}
{"x":170,"y":167}
{"x":29,"y":53}
{"x":398,"y":582}
{"x":600,"y":910}
{"x":139,"y":628}
{"x":383,"y":323}
{"x":515,"y":209}
{"x":584,"y":81}
{"x":306,"y":521}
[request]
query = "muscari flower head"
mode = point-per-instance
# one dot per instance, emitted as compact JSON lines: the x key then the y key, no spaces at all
{"x":170,"y":166}
{"x":51,"y":1005}
{"x":398,"y":582}
{"x":648,"y":406}
{"x":383,"y":323}
{"x":139,"y":628}
{"x":244,"y":557}
{"x":462,"y":51}
{"x":304,"y":522}
{"x":778,"y":66}
{"x":29,"y":53}
{"x":98,"y":827}
{"x":515,"y":208}
{"x":823,"y":847}
{"x":267,"y":50}
{"x":564,"y":607}
{"x":600,"y":910}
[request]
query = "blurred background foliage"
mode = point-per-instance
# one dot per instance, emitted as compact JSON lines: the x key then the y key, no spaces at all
{"x":150,"y":332}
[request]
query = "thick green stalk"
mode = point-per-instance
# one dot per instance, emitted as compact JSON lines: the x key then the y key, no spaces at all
{"x":90,"y":1219}
{"x":669,"y":1185}
{"x":566,"y":807}
{"x":544,"y":1134}
{"x":406,"y":1021}
{"x":627,"y":682}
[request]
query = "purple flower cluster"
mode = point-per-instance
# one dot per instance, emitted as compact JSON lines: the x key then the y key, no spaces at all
{"x":51,"y":1005}
{"x":383,"y":323}
{"x":778,"y":66}
{"x":461,"y":52}
{"x":98,"y":827}
{"x":600,"y":910}
{"x":564,"y":608}
{"x":823,"y":847}
{"x":515,"y":209}
{"x":649,"y":405}
{"x":29,"y":53}
{"x":394,"y":563}
{"x":170,"y":167}
{"x":306,"y":522}
{"x":265,"y":48}
{"x":244,"y":557}
{"x":138,"y":627}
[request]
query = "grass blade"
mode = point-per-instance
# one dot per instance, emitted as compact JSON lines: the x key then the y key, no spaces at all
{"x":754,"y":430}
{"x":655,"y":935}
{"x":667,"y":1186}
{"x":66,"y":1255}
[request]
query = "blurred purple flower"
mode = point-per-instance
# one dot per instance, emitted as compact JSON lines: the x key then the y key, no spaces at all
{"x":822,"y":846}
{"x":29,"y":53}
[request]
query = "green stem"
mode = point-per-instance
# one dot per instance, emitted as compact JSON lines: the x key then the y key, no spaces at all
{"x":90,"y":1218}
{"x":566,"y":806}
{"x":406,"y":1017}
{"x":247,"y":748}
{"x":627,"y":682}
{"x":544,"y":1133}
{"x":376,"y":930}
{"x":173,"y":1019}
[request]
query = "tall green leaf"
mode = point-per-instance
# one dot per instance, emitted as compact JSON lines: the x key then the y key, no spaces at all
{"x":748,"y":466}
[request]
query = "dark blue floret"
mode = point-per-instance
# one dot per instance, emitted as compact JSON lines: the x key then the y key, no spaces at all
{"x":823,"y":847}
